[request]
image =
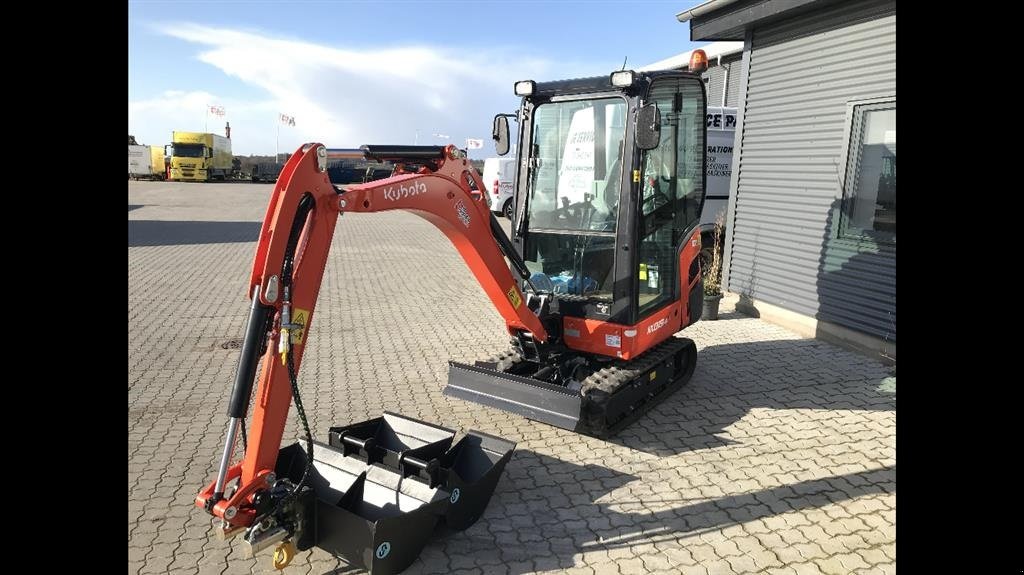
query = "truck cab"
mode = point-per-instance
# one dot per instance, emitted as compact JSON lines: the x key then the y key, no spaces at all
{"x":200,"y":157}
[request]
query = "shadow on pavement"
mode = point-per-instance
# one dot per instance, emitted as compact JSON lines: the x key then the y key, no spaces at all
{"x":134,"y":207}
{"x":732,"y":379}
{"x":171,"y":233}
{"x":727,"y":315}
{"x":531,"y":531}
{"x":545,"y":510}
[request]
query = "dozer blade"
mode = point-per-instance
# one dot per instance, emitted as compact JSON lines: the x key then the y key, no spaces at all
{"x":530,"y":398}
{"x":381,"y":487}
{"x":608,"y":401}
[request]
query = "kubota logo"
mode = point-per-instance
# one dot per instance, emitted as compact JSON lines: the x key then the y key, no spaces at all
{"x":657,"y":325}
{"x":394,"y":194}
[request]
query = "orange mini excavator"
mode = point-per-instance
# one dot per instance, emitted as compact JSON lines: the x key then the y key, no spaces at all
{"x":600,"y":271}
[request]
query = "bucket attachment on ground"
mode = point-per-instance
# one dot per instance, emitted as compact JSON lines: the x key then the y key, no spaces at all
{"x":381,"y":486}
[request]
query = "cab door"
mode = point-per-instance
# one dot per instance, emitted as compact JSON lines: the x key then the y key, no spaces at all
{"x":671,"y":193}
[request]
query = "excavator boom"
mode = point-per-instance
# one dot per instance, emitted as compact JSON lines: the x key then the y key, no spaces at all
{"x":291,"y":495}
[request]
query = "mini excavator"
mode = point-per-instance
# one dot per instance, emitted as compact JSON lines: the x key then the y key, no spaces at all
{"x":600,"y":270}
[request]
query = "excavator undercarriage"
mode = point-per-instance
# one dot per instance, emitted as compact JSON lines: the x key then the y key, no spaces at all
{"x":598,"y":398}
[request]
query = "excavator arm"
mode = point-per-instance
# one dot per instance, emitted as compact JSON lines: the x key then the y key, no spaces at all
{"x":447,"y":198}
{"x":291,"y":255}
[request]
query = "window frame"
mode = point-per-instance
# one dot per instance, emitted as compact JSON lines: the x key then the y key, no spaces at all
{"x":853,"y":135}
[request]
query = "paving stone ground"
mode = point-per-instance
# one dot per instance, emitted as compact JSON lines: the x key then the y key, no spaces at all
{"x":778,"y":457}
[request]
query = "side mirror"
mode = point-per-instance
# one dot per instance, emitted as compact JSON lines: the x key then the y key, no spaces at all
{"x":500,"y":134}
{"x":648,"y":127}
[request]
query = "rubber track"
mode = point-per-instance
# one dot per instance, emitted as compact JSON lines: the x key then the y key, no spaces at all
{"x":604,"y":383}
{"x":601,"y":385}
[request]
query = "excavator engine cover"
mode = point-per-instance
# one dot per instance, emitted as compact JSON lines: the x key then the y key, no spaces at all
{"x":382,"y":486}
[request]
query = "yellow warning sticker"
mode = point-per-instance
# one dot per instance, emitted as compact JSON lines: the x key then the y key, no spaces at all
{"x":300,"y":317}
{"x":643,"y":272}
{"x":654,"y":374}
{"x":514,"y":297}
{"x":636,"y":176}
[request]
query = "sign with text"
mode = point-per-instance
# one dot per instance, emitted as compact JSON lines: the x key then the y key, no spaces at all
{"x":721,"y":124}
{"x":721,"y":118}
{"x":576,"y":174}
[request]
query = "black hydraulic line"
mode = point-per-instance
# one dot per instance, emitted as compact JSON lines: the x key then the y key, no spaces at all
{"x":255,"y":332}
{"x":306,"y":205}
{"x":543,"y":373}
{"x":522,"y":226}
{"x":506,"y":248}
{"x":505,"y":245}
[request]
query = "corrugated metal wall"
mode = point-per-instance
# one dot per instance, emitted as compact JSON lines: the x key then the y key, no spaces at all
{"x":735,"y":81}
{"x":715,"y":76}
{"x":784,"y":251}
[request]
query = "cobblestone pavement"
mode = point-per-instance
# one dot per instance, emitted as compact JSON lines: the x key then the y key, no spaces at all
{"x":778,"y":457}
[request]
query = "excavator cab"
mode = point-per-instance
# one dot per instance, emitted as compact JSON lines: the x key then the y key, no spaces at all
{"x":594,"y":205}
{"x":608,"y":198}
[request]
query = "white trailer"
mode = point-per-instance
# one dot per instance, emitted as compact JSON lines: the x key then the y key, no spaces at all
{"x":145,"y":162}
{"x":138,"y":161}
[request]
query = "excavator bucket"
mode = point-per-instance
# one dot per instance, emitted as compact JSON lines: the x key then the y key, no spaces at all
{"x":382,"y":486}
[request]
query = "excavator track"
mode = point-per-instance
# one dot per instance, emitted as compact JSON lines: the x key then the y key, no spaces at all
{"x":622,"y":392}
{"x":609,"y":399}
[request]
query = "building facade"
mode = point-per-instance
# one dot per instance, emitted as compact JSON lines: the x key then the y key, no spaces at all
{"x":721,"y":79}
{"x":811,"y":221}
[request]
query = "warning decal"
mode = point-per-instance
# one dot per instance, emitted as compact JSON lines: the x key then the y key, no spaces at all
{"x":514,"y":297}
{"x":300,"y":317}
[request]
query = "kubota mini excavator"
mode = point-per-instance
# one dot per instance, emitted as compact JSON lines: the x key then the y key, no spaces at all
{"x":604,"y":247}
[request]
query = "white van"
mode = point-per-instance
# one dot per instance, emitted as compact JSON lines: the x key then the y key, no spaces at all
{"x":499,"y":174}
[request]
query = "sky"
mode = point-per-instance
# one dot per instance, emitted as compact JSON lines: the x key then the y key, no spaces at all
{"x":378,"y":72}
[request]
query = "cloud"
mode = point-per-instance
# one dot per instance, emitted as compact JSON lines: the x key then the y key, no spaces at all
{"x":343,"y":97}
{"x":152,"y":120}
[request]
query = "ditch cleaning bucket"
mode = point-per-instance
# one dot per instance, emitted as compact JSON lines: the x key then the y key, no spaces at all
{"x":381,"y":486}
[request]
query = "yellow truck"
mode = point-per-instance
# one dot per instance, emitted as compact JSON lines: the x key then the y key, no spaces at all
{"x":200,"y":157}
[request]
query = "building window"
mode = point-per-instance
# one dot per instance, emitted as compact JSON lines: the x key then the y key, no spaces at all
{"x":869,"y":200}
